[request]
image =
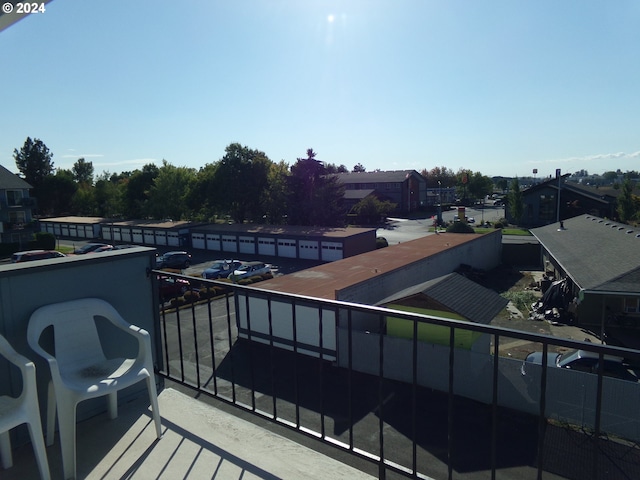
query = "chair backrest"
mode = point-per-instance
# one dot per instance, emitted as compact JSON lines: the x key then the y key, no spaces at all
{"x":9,"y":353}
{"x":76,"y":339}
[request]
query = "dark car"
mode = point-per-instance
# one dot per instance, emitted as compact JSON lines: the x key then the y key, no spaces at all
{"x":170,"y":287}
{"x":93,"y":247}
{"x":581,"y":361}
{"x":176,"y":259}
{"x":221,"y":269}
{"x":30,"y":255}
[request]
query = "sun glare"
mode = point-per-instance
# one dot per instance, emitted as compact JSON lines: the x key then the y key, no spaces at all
{"x":330,"y":18}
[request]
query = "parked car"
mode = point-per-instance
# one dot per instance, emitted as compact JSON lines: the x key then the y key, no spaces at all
{"x":250,"y":269}
{"x":175,"y":259}
{"x":172,"y":287}
{"x":92,"y":247}
{"x":581,"y":361}
{"x":221,"y":269}
{"x":29,"y":255}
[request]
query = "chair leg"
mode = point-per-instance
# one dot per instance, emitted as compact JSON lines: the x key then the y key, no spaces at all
{"x":37,"y":441}
{"x":51,"y":414}
{"x":153,"y":398}
{"x":67,"y":432}
{"x":5,"y":450}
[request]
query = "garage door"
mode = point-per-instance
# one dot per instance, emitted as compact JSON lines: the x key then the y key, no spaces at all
{"x":136,"y":235}
{"x":247,"y":245}
{"x":229,"y":243}
{"x":197,"y":240}
{"x":213,"y":242}
{"x":332,"y":251}
{"x":149,"y":237}
{"x":309,"y":249}
{"x":124,"y":232}
{"x":266,"y":246}
{"x":173,"y":239}
{"x":161,"y":238}
{"x":287,"y":248}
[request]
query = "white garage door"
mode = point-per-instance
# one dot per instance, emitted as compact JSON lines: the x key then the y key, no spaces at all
{"x":309,"y":249}
{"x":173,"y":240}
{"x":213,"y":242}
{"x":149,"y":237}
{"x":247,"y":245}
{"x":197,"y":240}
{"x":161,"y":238}
{"x":287,"y":248}
{"x":229,"y":243}
{"x":136,"y":234}
{"x":331,"y":251}
{"x":266,"y":246}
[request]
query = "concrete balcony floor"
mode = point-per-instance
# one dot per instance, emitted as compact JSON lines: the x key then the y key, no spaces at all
{"x":199,"y":441}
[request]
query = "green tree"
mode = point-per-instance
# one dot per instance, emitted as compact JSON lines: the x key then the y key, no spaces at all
{"x":626,"y":207}
{"x":315,"y":198}
{"x":202,"y":199}
{"x":56,"y":193}
{"x":276,"y":195}
{"x":136,"y":194}
{"x":83,"y":171}
{"x":84,"y":201}
{"x":169,"y":192}
{"x":241,"y":182}
{"x":444,"y":175}
{"x":34,"y":162}
{"x":479,"y":185}
{"x":108,"y":193}
{"x":372,"y":210}
{"x":514,"y":201}
{"x":358,"y":168}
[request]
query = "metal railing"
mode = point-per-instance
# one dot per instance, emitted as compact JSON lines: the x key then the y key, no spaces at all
{"x":412,"y":408}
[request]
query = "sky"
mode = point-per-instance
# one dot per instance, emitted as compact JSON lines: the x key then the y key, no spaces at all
{"x":500,"y":87}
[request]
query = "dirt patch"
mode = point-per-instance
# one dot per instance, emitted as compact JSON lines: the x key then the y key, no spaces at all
{"x":519,"y":286}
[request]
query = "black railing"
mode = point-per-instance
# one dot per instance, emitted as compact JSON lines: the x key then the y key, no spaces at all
{"x":448,"y":417}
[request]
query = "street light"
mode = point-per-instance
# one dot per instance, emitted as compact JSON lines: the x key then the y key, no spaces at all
{"x":439,"y":202}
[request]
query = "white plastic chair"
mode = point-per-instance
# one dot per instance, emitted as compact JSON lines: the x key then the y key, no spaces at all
{"x":80,"y":369}
{"x":15,"y":411}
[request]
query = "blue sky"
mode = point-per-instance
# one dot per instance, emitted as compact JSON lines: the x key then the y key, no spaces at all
{"x":500,"y":86}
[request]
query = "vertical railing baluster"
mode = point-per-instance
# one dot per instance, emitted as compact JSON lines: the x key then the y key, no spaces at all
{"x":230,"y":342}
{"x":272,"y":359}
{"x":494,"y":406}
{"x":350,"y":376}
{"x":381,"y":468}
{"x":542,"y":421}
{"x":321,"y":368}
{"x":296,"y":383}
{"x":414,"y":401}
{"x":250,"y":350}
{"x":450,"y":439}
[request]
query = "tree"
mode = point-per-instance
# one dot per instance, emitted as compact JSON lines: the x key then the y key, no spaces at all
{"x":626,"y":206}
{"x":241,"y":182}
{"x":371,"y":210}
{"x":444,"y":175}
{"x":277,"y":193}
{"x":168,"y":194}
{"x":136,"y":194}
{"x":514,"y":201}
{"x":83,"y":171}
{"x":56,"y":192}
{"x":315,"y":198}
{"x":479,"y":185}
{"x":34,"y":162}
{"x":359,"y":168}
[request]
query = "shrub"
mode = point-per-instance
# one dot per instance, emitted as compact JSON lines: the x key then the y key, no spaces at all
{"x":191,"y":296}
{"x":460,"y":227}
{"x":381,"y":242}
{"x":45,"y":240}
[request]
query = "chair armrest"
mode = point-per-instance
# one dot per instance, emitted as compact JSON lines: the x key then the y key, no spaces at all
{"x":14,"y":357}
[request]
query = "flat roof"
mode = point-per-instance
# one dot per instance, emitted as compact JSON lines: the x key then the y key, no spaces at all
{"x":325,"y":280}
{"x":298,"y":230}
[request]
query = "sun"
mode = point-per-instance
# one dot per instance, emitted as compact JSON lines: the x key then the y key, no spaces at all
{"x":331,"y":17}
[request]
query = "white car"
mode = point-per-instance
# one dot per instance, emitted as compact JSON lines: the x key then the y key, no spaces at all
{"x":251,"y":269}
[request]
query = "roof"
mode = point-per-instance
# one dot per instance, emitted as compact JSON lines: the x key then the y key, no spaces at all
{"x":327,"y":280}
{"x":394,"y":176}
{"x":357,"y":194}
{"x":10,"y":180}
{"x":456,"y":292}
{"x":601,"y":195}
{"x":295,"y":230}
{"x":599,"y":255}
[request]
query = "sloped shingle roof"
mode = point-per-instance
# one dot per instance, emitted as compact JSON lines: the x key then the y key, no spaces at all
{"x":598,"y":254}
{"x":463,"y":296}
{"x":10,"y":180}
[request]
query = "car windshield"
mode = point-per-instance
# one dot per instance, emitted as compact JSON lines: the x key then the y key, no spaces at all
{"x":219,"y":266}
{"x":567,"y":357}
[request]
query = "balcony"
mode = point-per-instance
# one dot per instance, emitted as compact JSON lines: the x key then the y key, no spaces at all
{"x":325,"y":398}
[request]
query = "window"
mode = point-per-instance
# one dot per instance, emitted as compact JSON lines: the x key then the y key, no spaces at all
{"x":17,"y":217}
{"x":14,"y":197}
{"x":631,"y":305}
